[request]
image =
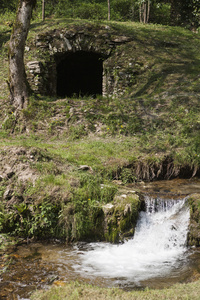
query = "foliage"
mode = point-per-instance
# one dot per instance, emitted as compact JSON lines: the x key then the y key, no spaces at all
{"x":185,"y":12}
{"x":27,"y":220}
{"x":161,"y":12}
{"x":127,"y":175}
{"x":87,"y":201}
{"x":90,"y":11}
{"x":124,"y":10}
{"x":9,"y":122}
{"x":6,"y":6}
{"x":78,"y":219}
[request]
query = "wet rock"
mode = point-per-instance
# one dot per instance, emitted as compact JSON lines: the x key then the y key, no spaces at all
{"x":120,"y":217}
{"x":194,"y":226}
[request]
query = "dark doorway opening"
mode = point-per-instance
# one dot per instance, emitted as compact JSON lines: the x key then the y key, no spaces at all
{"x":80,"y":74}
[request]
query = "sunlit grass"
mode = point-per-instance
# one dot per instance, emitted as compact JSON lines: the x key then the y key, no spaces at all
{"x":78,"y":291}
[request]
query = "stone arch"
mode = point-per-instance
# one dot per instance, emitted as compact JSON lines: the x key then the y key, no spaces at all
{"x":58,"y":48}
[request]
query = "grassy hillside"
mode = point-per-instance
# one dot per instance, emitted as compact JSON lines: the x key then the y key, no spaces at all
{"x":151,"y":132}
{"x":158,"y":114}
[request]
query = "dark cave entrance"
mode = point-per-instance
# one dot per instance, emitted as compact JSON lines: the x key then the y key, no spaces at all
{"x":80,"y":74}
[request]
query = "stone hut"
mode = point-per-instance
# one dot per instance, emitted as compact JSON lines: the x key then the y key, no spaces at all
{"x":80,"y":60}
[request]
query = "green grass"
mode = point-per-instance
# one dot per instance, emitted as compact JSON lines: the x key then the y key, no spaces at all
{"x":158,"y":115}
{"x":75,"y":290}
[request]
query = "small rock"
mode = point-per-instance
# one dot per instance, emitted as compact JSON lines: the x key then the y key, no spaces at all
{"x":8,"y":194}
{"x":84,"y":168}
{"x":132,"y":192}
{"x":108,"y":206}
{"x":123,"y":196}
{"x":119,"y":182}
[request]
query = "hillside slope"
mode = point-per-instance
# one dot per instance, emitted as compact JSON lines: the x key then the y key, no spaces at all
{"x":149,"y":132}
{"x":65,"y":159}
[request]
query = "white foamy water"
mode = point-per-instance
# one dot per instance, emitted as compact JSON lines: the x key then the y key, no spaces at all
{"x":158,"y":246}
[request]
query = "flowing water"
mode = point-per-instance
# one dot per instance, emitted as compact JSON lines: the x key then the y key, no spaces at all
{"x":157,"y":249}
{"x":155,"y":257}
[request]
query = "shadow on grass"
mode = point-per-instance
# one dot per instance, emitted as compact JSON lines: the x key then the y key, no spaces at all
{"x":4,"y":37}
{"x":181,"y":71}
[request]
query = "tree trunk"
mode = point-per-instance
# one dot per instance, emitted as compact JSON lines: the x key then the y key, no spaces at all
{"x":148,"y":11}
{"x":19,"y":90}
{"x":43,"y":10}
{"x":108,"y":10}
{"x":140,"y":12}
{"x":144,"y":12}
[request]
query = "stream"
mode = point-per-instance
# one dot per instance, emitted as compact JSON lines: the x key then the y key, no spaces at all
{"x":156,"y":257}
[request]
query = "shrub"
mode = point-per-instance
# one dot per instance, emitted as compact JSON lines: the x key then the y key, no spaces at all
{"x":90,"y":11}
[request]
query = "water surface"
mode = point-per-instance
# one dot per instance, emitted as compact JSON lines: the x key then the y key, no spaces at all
{"x":157,"y":257}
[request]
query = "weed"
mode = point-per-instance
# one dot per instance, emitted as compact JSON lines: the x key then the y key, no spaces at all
{"x":77,"y":132}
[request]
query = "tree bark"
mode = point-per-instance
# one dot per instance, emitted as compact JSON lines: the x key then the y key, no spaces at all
{"x":148,"y":11}
{"x":144,"y":12}
{"x":108,"y":10}
{"x":140,"y":12}
{"x":18,"y":85}
{"x":43,"y":10}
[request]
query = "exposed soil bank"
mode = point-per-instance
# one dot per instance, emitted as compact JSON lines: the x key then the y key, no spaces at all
{"x":164,"y":168}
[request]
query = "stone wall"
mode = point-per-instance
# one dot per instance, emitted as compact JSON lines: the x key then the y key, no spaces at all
{"x":51,"y":47}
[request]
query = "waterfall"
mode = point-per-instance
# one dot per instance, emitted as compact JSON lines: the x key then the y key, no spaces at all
{"x":158,"y":245}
